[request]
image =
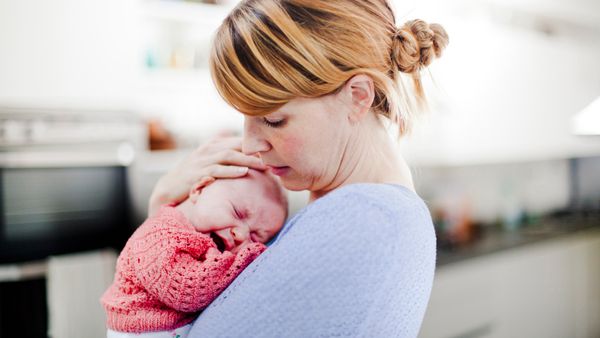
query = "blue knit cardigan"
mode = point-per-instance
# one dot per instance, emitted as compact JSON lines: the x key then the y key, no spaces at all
{"x":358,"y":262}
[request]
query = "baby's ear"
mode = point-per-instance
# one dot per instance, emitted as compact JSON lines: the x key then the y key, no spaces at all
{"x":197,"y":187}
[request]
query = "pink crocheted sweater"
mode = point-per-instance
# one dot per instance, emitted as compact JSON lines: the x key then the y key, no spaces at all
{"x":164,"y":275}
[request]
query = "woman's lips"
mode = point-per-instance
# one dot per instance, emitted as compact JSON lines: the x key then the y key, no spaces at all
{"x":279,"y":171}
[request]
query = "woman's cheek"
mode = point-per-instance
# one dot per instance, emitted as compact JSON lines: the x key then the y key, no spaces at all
{"x":291,"y":149}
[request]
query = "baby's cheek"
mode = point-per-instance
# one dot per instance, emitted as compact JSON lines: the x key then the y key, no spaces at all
{"x":277,"y":218}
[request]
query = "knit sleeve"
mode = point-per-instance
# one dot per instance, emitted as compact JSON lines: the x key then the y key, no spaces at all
{"x":183,"y":269}
{"x":350,"y":266}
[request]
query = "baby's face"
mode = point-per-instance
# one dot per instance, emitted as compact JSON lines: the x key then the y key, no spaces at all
{"x":238,"y":211}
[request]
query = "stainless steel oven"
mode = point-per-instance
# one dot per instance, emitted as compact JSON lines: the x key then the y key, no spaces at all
{"x":63,"y":185}
{"x":49,"y":211}
{"x":63,"y":189}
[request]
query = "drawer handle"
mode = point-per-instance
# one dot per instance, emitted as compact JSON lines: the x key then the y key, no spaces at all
{"x":477,"y":332}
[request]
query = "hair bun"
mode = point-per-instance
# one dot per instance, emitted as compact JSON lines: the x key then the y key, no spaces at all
{"x":416,"y":43}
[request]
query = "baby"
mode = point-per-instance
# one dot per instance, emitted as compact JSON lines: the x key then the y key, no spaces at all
{"x":178,"y":261}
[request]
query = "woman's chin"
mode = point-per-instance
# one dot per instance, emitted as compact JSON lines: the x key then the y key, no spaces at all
{"x":293,"y":185}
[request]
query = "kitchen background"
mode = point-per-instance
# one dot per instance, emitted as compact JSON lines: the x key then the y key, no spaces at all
{"x":100,"y":98}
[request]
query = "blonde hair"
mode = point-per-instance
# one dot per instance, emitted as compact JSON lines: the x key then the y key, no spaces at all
{"x":268,"y":52}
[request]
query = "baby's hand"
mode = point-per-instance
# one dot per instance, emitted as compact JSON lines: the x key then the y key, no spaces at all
{"x":247,"y":253}
{"x":212,"y":252}
{"x":237,"y":261}
{"x":226,"y":266}
{"x":251,"y":248}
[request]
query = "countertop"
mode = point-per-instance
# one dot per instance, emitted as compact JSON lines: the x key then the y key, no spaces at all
{"x":493,"y":239}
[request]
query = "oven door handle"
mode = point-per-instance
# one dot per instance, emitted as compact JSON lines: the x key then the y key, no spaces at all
{"x":23,"y":271}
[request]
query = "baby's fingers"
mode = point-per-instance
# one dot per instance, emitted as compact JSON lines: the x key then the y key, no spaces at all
{"x":249,"y":253}
{"x":212,"y":252}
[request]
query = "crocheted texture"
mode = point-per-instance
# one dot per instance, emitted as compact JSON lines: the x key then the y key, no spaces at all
{"x":165,"y":275}
{"x":358,"y":262}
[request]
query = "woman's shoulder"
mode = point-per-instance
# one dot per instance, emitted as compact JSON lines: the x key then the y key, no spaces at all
{"x":390,"y":198}
{"x":354,"y":200}
{"x":368,"y":211}
{"x":385,"y":194}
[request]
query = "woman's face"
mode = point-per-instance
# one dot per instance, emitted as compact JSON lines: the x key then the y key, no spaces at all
{"x":303,"y":142}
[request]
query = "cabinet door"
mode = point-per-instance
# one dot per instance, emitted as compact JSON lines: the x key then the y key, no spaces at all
{"x":75,"y":284}
{"x":534,"y":291}
{"x":461,"y":302}
{"x":588,"y":279}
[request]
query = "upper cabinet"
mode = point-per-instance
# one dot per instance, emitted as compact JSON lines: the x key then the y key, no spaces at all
{"x":175,"y":83}
{"x":177,"y":34}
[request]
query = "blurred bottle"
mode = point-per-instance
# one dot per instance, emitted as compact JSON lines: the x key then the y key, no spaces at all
{"x":452,"y":212}
{"x":511,"y":211}
{"x":159,"y":136}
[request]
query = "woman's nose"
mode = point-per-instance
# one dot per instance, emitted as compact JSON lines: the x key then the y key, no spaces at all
{"x":253,"y":142}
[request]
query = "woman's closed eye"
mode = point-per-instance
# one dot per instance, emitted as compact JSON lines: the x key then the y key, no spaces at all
{"x":272,"y":123}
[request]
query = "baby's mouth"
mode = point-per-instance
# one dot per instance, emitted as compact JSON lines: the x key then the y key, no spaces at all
{"x":218,"y":241}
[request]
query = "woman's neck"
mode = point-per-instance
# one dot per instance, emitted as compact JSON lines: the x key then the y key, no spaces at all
{"x":370,"y":157}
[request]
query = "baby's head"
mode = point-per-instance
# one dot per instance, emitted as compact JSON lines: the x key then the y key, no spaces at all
{"x":236,"y":211}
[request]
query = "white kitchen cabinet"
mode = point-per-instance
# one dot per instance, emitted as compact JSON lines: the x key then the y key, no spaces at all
{"x":534,"y":292}
{"x":588,"y":269}
{"x":460,"y":302}
{"x":546,"y":289}
{"x":75,"y":283}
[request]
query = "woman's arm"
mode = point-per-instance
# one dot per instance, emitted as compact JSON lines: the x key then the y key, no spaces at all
{"x":346,"y":267}
{"x":218,"y":158}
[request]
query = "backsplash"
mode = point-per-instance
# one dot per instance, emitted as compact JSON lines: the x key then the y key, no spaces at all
{"x":496,"y":192}
{"x":586,"y":183}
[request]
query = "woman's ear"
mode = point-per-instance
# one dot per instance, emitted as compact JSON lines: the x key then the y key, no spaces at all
{"x":197,"y":187}
{"x":360,"y":92}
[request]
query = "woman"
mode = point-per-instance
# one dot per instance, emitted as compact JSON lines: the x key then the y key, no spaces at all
{"x":318,"y":82}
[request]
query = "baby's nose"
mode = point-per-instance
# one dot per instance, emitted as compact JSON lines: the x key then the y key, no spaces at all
{"x":240,"y":233}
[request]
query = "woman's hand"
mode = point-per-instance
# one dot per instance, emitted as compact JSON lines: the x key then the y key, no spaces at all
{"x":220,"y":157}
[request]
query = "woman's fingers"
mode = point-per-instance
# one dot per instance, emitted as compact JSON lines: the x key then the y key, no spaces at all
{"x":220,"y":157}
{"x":234,"y":157}
{"x":224,"y":171}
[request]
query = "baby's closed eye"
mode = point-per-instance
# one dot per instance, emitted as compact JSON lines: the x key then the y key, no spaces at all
{"x":257,"y":237}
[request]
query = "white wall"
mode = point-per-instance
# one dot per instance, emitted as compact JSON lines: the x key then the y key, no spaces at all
{"x":506,"y":93}
{"x":68,"y":51}
{"x":503,"y":93}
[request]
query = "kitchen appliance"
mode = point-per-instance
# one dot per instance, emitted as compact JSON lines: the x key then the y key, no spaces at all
{"x":63,"y":189}
{"x":63,"y":180}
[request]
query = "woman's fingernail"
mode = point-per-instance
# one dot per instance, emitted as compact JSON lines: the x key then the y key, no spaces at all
{"x":242,"y":169}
